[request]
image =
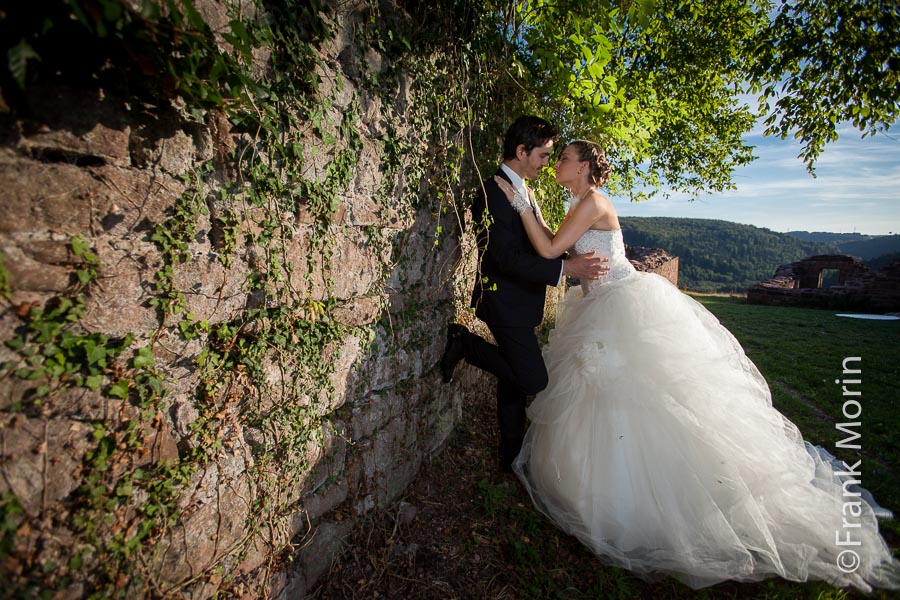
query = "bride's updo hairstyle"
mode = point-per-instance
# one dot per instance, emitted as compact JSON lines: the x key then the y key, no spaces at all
{"x":595,"y":157}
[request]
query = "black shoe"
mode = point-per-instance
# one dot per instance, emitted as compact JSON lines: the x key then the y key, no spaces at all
{"x":453,"y":351}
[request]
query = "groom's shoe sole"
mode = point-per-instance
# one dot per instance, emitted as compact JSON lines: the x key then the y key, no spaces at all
{"x":453,"y":351}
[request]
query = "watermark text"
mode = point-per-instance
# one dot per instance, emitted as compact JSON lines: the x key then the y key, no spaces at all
{"x":851,"y":382}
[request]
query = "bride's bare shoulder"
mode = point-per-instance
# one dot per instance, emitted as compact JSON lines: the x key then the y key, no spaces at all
{"x":600,"y":202}
{"x":606,"y":212}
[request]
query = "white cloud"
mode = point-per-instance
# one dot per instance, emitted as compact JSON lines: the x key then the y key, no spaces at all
{"x":857,"y":188}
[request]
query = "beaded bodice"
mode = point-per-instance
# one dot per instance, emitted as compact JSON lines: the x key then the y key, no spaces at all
{"x":608,"y":243}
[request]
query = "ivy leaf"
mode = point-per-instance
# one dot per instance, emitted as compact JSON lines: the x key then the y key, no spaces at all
{"x":95,"y":354}
{"x":29,"y":374}
{"x":144,"y":358}
{"x":124,"y":490}
{"x":119,"y":389}
{"x":99,"y":432}
{"x":93,"y":382}
{"x":17,"y":59}
{"x":17,"y":343}
{"x":79,"y":245}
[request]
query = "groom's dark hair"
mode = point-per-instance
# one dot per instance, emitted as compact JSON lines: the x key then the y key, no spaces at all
{"x":529,"y":131}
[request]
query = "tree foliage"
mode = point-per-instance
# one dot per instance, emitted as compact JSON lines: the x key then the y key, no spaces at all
{"x":662,"y":83}
{"x":689,"y":58}
{"x":827,"y":62}
{"x":655,"y":82}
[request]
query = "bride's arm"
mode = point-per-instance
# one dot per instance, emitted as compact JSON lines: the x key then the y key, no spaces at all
{"x":572,"y":228}
{"x":577,"y":221}
{"x":544,"y":227}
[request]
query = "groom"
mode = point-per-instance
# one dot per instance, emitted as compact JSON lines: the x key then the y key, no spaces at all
{"x":511,"y":285}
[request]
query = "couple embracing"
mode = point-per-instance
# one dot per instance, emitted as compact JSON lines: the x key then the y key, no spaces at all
{"x":652,"y":437}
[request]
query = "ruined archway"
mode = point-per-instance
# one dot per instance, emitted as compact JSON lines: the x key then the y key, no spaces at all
{"x":800,"y":284}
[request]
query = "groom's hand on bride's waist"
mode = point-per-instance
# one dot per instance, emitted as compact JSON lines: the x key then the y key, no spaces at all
{"x":585,"y":266}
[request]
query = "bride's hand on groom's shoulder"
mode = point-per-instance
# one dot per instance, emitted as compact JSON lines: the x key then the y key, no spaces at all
{"x":519,"y":202}
{"x":506,"y":187}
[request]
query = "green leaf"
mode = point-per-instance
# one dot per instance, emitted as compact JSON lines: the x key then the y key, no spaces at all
{"x":92,"y":382}
{"x":241,"y":34}
{"x":17,"y":59}
{"x":79,"y":245}
{"x":96,"y":354}
{"x":29,"y":374}
{"x":112,"y":11}
{"x":144,"y":358}
{"x":16,"y":343}
{"x":119,"y":389}
{"x":588,"y":55}
{"x":125,"y":490}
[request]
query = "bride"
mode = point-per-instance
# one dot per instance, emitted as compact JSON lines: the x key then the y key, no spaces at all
{"x":656,"y":443}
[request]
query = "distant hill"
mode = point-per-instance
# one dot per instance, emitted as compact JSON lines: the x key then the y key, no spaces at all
{"x":719,"y":256}
{"x":882,"y":261}
{"x":826,"y":237}
{"x":874,"y":250}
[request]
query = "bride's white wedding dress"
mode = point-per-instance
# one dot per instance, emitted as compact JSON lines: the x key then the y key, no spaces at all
{"x":656,"y":444}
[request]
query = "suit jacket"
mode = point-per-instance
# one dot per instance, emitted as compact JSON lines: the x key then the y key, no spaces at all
{"x":512,"y":280}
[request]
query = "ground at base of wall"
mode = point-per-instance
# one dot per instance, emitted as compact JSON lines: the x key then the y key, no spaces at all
{"x":465,"y":530}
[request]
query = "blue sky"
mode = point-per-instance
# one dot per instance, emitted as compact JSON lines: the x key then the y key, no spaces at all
{"x":857,"y":188}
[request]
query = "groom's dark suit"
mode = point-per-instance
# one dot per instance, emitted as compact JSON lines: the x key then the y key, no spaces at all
{"x":509,"y":297}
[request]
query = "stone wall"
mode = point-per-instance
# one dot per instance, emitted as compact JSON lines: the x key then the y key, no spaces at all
{"x":654,"y":260}
{"x":182,"y":443}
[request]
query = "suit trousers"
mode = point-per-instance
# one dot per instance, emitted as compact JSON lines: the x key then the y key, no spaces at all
{"x":518,"y":365}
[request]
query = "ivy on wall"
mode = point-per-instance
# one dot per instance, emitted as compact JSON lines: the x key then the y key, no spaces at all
{"x":257,"y":197}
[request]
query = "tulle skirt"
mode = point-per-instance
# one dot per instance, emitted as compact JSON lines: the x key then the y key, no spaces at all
{"x":656,"y":444}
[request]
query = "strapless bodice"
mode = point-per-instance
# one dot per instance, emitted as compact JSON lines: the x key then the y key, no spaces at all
{"x":608,"y":243}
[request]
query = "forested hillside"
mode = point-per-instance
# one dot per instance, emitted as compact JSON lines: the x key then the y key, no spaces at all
{"x":874,"y":250}
{"x":828,"y":237}
{"x":719,"y":256}
{"x":882,"y":260}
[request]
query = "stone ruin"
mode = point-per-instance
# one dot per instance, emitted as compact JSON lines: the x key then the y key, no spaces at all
{"x":800,"y":284}
{"x":654,"y":260}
